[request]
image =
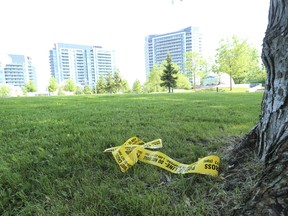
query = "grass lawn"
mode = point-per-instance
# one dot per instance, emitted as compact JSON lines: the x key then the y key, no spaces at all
{"x":52,"y":160}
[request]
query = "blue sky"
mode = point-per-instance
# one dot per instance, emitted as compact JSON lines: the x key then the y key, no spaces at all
{"x":31,"y":27}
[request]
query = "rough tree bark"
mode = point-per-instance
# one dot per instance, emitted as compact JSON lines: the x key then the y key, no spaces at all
{"x":270,"y":195}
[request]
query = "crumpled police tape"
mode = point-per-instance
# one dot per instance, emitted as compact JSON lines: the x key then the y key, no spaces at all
{"x":135,"y":149}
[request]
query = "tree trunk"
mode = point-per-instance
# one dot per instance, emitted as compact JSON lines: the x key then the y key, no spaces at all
{"x":270,"y":195}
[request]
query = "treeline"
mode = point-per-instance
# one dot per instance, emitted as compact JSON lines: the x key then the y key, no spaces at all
{"x":5,"y":90}
{"x":113,"y":83}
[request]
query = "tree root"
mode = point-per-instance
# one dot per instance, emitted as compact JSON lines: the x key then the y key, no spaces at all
{"x":269,"y":196}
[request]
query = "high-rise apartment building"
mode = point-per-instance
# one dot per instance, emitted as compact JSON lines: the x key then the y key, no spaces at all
{"x":176,"y":43}
{"x":82,"y":63}
{"x":18,"y":71}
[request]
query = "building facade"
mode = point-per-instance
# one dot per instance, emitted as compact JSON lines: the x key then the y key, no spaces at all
{"x":18,"y":71}
{"x":83,"y":64}
{"x":176,"y":43}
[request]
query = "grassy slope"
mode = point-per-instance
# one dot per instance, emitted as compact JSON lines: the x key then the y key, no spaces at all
{"x":52,"y":160}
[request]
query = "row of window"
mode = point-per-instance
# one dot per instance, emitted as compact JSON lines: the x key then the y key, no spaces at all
{"x":175,"y":36}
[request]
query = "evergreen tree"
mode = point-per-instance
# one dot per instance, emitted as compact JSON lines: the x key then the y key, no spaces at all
{"x":169,"y":74}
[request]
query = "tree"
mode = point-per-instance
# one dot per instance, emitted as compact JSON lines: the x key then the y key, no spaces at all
{"x":153,"y":83}
{"x":270,"y":135}
{"x":29,"y":87}
{"x":101,"y":85}
{"x":69,"y":86}
{"x":183,"y":81}
{"x":110,"y":84}
{"x":87,"y":89}
{"x":169,"y":74}
{"x":117,"y":81}
{"x":257,"y":75}
{"x":195,"y":64}
{"x":79,"y":90}
{"x":5,"y":90}
{"x":237,"y":58}
{"x":125,"y":86}
{"x":137,"y":87}
{"x":53,"y":86}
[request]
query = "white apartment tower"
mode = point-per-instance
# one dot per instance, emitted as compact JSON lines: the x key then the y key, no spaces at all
{"x":82,"y":63}
{"x":176,"y":43}
{"x":17,"y":70}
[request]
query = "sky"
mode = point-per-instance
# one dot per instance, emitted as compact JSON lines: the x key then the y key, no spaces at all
{"x":31,"y":27}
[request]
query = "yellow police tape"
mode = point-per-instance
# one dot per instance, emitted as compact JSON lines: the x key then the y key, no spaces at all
{"x":135,"y":149}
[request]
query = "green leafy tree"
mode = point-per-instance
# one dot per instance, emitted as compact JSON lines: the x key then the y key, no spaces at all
{"x":125,"y":86}
{"x":110,"y":84}
{"x":61,"y":91}
{"x":118,"y":81}
{"x":137,"y":87}
{"x":196,"y":65}
{"x":256,"y":72}
{"x":183,"y":81}
{"x":101,"y":85}
{"x":5,"y":90}
{"x":53,"y":86}
{"x":206,"y":68}
{"x":87,"y":89}
{"x":69,"y":86}
{"x":237,"y":58}
{"x":79,"y":90}
{"x":29,"y":87}
{"x":153,"y":83}
{"x":169,"y":74}
{"x":257,"y":76}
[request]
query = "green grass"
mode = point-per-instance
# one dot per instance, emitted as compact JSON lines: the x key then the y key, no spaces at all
{"x":52,"y":160}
